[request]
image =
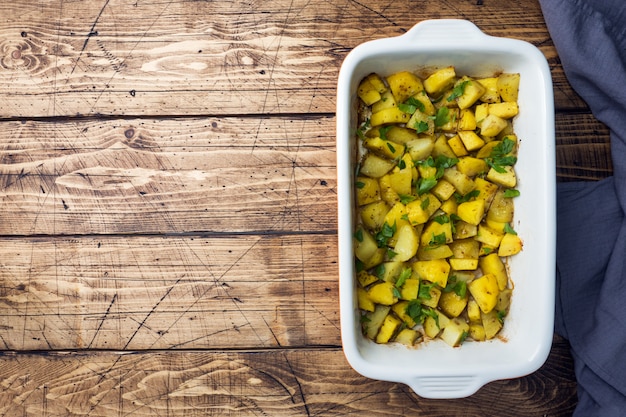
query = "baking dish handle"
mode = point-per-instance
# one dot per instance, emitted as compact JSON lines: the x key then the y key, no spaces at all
{"x":446,"y":387}
{"x":445,"y":31}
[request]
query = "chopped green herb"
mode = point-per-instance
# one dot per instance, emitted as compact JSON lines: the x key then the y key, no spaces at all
{"x":421,"y":126}
{"x":414,"y":310}
{"x":380,"y":271}
{"x":411,"y":105}
{"x":386,"y":233}
{"x":424,"y":290}
{"x":391,"y":148}
{"x":501,"y":316}
{"x":382,"y":132}
{"x":404,"y":199}
{"x":442,"y":219}
{"x":437,"y":240}
{"x":401,"y":164}
{"x":442,"y":116}
{"x":467,"y":197}
{"x":359,"y":184}
{"x":425,"y":184}
{"x":509,"y":229}
{"x":404,"y":275}
{"x":510,"y":193}
{"x":458,"y":90}
{"x":459,"y":288}
{"x":425,"y":203}
{"x":418,"y":313}
{"x":360,"y":266}
{"x":358,"y":235}
{"x":396,"y":293}
{"x":500,"y":157}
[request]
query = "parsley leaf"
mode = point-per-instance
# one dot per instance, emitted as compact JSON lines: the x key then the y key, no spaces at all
{"x":396,"y":293}
{"x":404,"y":199}
{"x":380,"y":271}
{"x":437,"y":240}
{"x":467,"y":197}
{"x":411,"y":105}
{"x":425,"y":184}
{"x":418,"y":313}
{"x":509,"y":229}
{"x":382,"y":132}
{"x":385,"y":233}
{"x":421,"y":126}
{"x":442,"y":219}
{"x":458,"y":90}
{"x":424,"y":290}
{"x":500,"y":157}
{"x":459,"y":287}
{"x":358,"y":235}
{"x":442,"y":116}
{"x":510,"y":193}
{"x":404,"y":275}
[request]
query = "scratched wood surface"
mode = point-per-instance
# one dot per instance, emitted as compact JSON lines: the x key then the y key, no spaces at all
{"x":167,"y":207}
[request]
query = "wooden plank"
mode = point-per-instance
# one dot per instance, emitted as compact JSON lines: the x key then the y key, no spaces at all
{"x":186,"y":292}
{"x":168,"y":176}
{"x":278,"y":383}
{"x":123,"y":57}
{"x":583,"y":148}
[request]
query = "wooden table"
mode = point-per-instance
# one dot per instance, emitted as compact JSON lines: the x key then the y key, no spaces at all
{"x":168,"y":194}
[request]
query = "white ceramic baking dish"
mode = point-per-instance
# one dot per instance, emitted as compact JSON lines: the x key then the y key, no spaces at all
{"x":434,"y":369}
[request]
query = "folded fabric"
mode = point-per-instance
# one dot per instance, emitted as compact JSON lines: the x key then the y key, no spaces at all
{"x":590,"y":38}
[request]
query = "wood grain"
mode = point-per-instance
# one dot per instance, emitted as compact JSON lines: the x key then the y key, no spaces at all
{"x":168,"y":176}
{"x":185,"y":292}
{"x":121,"y":57}
{"x":289,"y":382}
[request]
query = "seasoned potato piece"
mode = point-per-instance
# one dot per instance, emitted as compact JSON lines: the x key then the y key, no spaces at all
{"x":383,"y":293}
{"x":407,"y":243}
{"x":455,"y":332}
{"x":508,"y":86}
{"x":407,"y":337}
{"x":471,"y":91}
{"x":389,"y":327}
{"x":509,"y":245}
{"x":365,"y":302}
{"x":440,"y":80}
{"x":404,"y":84}
{"x":371,"y":88}
{"x":373,"y":214}
{"x":471,"y":212}
{"x":435,"y":271}
{"x":389,"y":115}
{"x":374,"y":166}
{"x":373,"y":320}
{"x":485,"y":292}
{"x":492,"y":264}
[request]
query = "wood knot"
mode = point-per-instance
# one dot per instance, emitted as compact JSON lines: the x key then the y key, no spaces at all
{"x":129,"y":133}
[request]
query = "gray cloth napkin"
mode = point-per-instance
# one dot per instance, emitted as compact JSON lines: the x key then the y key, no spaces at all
{"x":590,"y":38}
